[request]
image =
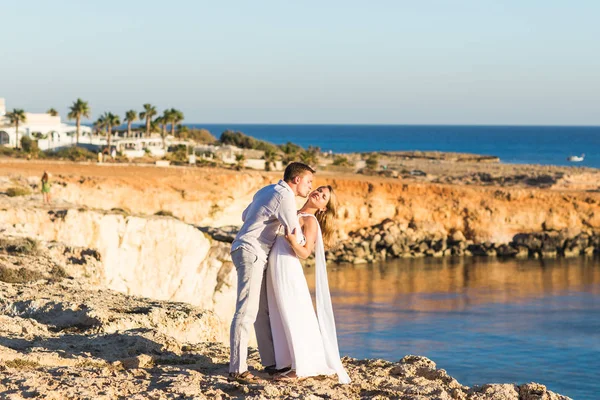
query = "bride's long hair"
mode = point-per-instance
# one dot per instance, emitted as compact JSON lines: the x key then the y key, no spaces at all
{"x":326,"y":219}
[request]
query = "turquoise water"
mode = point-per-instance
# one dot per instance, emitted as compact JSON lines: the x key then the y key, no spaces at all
{"x":483,"y":321}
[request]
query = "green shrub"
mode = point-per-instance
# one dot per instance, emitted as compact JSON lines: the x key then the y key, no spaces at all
{"x":238,"y":139}
{"x":17,"y":191}
{"x":199,"y":135}
{"x":90,"y":364}
{"x":9,"y":152}
{"x":240,"y":161}
{"x":57,"y":273}
{"x":19,"y":363}
{"x":270,"y":157}
{"x":29,"y":145}
{"x":177,"y":154}
{"x":310,"y":156}
{"x":372,"y":161}
{"x":19,"y":245}
{"x":341,"y":161}
{"x":291,"y":148}
{"x":73,"y":153}
{"x":21,"y":275}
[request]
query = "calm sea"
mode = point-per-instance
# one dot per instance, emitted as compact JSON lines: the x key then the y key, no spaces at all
{"x":549,"y":145}
{"x":484,"y":321}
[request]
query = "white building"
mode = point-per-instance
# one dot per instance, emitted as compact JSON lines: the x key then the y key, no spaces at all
{"x":49,"y":131}
{"x":139,"y":147}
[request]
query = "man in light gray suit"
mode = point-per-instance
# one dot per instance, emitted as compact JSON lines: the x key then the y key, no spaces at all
{"x":272,"y":206}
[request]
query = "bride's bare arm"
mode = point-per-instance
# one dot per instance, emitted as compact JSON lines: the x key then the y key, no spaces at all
{"x":310,"y":233}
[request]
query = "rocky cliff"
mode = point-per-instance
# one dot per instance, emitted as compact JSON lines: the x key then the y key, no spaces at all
{"x":156,"y":257}
{"x":491,"y":210}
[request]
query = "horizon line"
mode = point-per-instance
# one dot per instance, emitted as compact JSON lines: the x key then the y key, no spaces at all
{"x":375,"y":124}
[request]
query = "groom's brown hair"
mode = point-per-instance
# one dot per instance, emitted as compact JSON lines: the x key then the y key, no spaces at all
{"x":296,"y":169}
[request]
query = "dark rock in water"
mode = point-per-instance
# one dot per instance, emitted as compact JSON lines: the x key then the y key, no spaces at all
{"x":505,"y":250}
{"x":478,"y":249}
{"x":530,"y":240}
{"x":553,"y":241}
{"x":391,"y":239}
{"x":439,"y":245}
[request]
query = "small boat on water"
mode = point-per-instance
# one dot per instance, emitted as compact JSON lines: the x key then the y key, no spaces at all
{"x":576,"y":158}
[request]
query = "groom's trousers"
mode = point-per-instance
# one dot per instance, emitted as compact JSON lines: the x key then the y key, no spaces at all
{"x":251,"y":308}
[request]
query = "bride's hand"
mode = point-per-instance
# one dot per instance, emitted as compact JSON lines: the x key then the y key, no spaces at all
{"x":292,"y":237}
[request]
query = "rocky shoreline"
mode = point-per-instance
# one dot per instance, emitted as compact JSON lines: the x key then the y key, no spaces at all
{"x":391,"y":239}
{"x":63,"y":336}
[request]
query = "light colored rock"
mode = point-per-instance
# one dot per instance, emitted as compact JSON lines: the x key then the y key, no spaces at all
{"x":495,"y":392}
{"x":69,"y":305}
{"x":156,"y":257}
{"x":457,"y":236}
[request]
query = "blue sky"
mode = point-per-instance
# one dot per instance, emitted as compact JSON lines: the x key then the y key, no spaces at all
{"x":376,"y":62}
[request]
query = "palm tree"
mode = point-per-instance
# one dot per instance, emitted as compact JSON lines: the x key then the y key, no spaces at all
{"x":154,"y":126}
{"x":176,"y":117}
{"x":79,"y":109}
{"x":52,"y":112}
{"x":110,"y":120}
{"x":147,"y":114}
{"x":183,"y":131}
{"x":162,"y":121}
{"x":15,"y":118}
{"x":100,"y":124}
{"x":167,"y":117}
{"x":130,"y":116}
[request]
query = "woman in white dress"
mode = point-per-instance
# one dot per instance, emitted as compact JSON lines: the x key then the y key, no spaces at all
{"x":304,"y":343}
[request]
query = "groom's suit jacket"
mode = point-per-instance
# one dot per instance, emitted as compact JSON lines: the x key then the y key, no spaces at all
{"x":272,"y":206}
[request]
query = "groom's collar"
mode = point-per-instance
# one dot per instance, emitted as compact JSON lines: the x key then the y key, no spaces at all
{"x":285,"y":185}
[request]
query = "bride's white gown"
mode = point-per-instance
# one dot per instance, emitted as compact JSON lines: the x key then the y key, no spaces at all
{"x":307,"y":344}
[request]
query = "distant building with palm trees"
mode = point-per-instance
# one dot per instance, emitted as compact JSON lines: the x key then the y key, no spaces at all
{"x":47,"y":129}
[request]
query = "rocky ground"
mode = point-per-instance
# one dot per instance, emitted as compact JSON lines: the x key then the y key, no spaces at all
{"x":62,"y":336}
{"x":66,"y":338}
{"x":473,"y":169}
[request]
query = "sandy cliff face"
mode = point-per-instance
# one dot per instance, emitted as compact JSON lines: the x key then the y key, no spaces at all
{"x":157,"y":257}
{"x":483,"y":213}
{"x":216,"y":197}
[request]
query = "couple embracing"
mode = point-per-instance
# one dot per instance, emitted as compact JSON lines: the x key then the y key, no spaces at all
{"x":272,"y":293}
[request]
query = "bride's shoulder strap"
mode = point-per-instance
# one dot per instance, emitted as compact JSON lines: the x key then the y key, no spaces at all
{"x":308,"y":215}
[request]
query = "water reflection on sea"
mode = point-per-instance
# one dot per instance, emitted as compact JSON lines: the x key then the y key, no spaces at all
{"x":482,"y":320}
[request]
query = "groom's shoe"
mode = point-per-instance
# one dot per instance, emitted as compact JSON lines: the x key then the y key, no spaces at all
{"x":272,"y":370}
{"x":243,"y":378}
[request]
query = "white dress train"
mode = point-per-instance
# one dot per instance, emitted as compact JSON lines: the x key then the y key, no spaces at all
{"x":307,"y":344}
